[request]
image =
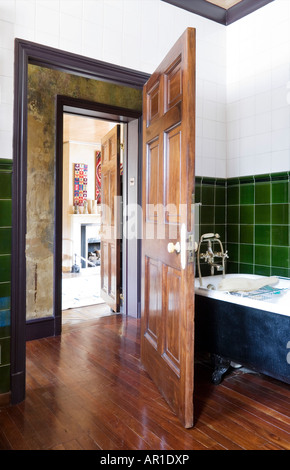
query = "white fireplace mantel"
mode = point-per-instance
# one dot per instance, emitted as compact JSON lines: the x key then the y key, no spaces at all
{"x":77,"y":220}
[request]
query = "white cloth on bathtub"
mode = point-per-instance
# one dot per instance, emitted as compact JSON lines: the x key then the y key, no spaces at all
{"x":236,"y":284}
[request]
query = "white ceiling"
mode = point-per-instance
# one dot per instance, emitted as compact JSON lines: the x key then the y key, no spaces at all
{"x":226,"y":4}
{"x":84,"y":129}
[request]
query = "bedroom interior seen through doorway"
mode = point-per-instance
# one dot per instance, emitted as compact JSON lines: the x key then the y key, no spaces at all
{"x":83,"y":138}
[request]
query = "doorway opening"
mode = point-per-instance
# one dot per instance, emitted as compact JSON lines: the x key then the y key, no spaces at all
{"x":27,"y":53}
{"x":83,"y":139}
{"x":92,"y":271}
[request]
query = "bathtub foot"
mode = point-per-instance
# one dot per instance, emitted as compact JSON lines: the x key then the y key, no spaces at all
{"x":221,"y":367}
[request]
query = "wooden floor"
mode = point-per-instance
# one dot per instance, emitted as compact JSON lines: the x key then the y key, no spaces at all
{"x":87,"y":390}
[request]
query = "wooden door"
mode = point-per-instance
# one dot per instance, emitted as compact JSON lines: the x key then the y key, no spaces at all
{"x":110,"y":219}
{"x":167,"y":323}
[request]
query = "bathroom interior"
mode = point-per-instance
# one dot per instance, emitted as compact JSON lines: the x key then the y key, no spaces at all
{"x":242,"y":168}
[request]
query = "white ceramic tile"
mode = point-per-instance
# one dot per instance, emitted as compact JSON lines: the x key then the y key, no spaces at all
{"x":92,"y":40}
{"x":24,"y":32}
{"x":280,"y":161}
{"x":281,"y":118}
{"x":247,"y":146}
{"x":72,"y":7}
{"x":232,"y":168}
{"x":262,"y":163}
{"x":71,"y":28}
{"x":112,"y":46}
{"x":247,"y":126}
{"x":47,"y":20}
{"x":209,"y":129}
{"x":280,"y":139}
{"x":233,"y":149}
{"x":7,"y":10}
{"x":6,"y":90}
{"x":6,"y":35}
{"x":233,"y":130}
{"x":52,"y":4}
{"x":263,"y":102}
{"x":6,"y":62}
{"x":131,"y":51}
{"x":208,"y":148}
{"x":263,"y":122}
{"x":6,"y":144}
{"x":25,"y":13}
{"x":51,"y":40}
{"x":263,"y":143}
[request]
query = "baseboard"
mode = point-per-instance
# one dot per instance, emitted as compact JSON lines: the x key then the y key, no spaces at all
{"x":41,"y":328}
{"x":5,"y":399}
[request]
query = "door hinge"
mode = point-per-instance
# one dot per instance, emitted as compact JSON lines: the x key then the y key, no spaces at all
{"x":190,"y":249}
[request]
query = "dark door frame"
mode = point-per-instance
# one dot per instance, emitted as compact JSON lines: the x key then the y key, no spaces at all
{"x":90,"y":109}
{"x":26,"y":53}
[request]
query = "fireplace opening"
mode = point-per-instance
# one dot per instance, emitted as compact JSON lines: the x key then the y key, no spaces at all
{"x":90,"y":246}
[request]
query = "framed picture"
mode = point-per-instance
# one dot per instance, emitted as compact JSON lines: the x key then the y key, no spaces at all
{"x":98,"y":177}
{"x":80,"y":183}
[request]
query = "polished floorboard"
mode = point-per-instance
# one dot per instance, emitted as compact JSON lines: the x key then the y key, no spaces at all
{"x":87,"y":390}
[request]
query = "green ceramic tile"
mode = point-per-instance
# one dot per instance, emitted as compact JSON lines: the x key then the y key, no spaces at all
{"x":207,"y":215}
{"x":263,"y":214}
{"x":5,"y":213}
{"x":221,"y":230}
{"x":5,"y":290}
{"x":280,"y":214}
{"x":284,"y":272}
{"x":280,"y":256}
{"x":247,"y":194}
{"x":5,"y":379}
{"x":247,"y":234}
{"x":220,"y":195}
{"x":233,"y":181}
{"x":232,"y":268}
{"x":5,"y":321}
{"x":246,"y":253}
{"x":280,"y":235}
{"x":263,"y":234}
{"x":206,"y":228}
{"x":262,"y":255}
{"x":280,"y":192}
{"x":262,"y":193}
{"x":262,"y":270}
{"x":233,"y":214}
{"x":233,"y":233}
{"x":5,"y":186}
{"x":220,"y":214}
{"x":247,"y":214}
{"x":246,"y":268}
{"x":207,"y":195}
{"x":197,"y":193}
{"x":5,"y":351}
{"x":5,"y":268}
{"x":233,"y":195}
{"x":233,"y":251}
{"x":5,"y":240}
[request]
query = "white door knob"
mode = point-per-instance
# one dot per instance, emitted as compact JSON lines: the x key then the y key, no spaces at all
{"x":171,"y":248}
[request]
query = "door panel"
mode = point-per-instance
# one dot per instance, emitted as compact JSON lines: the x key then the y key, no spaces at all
{"x":167,"y":322}
{"x":110,"y":236}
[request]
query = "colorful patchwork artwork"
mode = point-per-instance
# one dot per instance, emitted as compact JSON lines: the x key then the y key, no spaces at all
{"x":80,"y":184}
{"x":98,"y":177}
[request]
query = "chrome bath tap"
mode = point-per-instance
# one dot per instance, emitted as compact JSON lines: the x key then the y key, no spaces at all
{"x":209,"y":256}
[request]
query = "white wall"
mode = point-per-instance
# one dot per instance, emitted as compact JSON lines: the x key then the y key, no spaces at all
{"x":243,"y":70}
{"x":258,"y":92}
{"x":131,"y":33}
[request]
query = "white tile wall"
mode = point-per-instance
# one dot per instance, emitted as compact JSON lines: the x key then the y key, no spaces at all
{"x":132,"y":33}
{"x":243,"y":71}
{"x":258,"y":79}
